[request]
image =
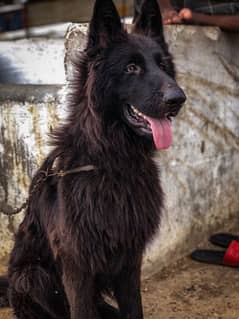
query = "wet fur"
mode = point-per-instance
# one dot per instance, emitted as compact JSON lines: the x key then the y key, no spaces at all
{"x":84,"y":235}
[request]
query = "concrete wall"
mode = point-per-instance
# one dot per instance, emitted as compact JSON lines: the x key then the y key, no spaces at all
{"x":200,"y":173}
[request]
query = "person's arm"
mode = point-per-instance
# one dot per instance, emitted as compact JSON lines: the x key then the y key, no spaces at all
{"x":225,"y":22}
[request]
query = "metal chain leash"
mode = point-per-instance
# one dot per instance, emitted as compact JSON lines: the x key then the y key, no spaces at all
{"x":41,"y":180}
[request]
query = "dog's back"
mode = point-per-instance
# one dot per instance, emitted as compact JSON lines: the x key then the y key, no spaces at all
{"x":86,"y":228}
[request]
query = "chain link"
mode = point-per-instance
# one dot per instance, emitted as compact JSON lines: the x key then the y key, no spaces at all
{"x":41,"y":180}
{"x":37,"y":185}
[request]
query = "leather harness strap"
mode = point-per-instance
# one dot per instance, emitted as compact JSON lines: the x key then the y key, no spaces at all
{"x":85,"y":168}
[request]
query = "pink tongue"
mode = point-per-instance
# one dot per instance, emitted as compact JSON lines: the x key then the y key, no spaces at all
{"x":162,"y":132}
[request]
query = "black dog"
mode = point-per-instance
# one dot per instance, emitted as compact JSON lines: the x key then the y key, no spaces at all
{"x":85,"y":229}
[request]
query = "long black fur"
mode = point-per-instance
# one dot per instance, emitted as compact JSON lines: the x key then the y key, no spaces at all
{"x":84,"y":234}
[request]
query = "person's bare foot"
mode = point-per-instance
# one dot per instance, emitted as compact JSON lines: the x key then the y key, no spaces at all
{"x":171,"y":16}
{"x":186,"y":15}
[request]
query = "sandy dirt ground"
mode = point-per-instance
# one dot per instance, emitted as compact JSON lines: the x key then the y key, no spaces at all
{"x":188,"y":290}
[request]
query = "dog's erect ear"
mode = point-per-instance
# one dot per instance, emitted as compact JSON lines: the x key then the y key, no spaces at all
{"x":105,"y":25}
{"x":148,"y":20}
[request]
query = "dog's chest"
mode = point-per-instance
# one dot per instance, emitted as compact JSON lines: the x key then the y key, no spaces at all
{"x":118,"y":208}
{"x":135,"y":208}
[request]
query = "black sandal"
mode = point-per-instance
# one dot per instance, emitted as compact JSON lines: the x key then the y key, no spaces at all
{"x":228,"y":257}
{"x":223,"y":239}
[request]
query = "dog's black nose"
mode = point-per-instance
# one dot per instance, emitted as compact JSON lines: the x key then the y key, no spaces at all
{"x":174,"y":96}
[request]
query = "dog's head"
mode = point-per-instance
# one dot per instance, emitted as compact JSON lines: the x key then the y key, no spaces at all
{"x":132,"y":75}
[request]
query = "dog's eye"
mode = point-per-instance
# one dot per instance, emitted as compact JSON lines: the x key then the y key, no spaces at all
{"x":133,"y":68}
{"x":160,"y":62}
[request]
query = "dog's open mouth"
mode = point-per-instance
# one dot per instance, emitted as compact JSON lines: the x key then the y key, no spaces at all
{"x":161,"y":129}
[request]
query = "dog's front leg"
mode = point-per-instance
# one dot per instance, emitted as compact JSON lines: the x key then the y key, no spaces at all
{"x":79,"y":289}
{"x":127,"y":293}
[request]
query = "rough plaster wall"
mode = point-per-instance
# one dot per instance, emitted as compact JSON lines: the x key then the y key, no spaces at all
{"x":200,"y":173}
{"x":24,"y":128}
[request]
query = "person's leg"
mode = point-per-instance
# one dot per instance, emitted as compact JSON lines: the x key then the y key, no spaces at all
{"x":213,"y":7}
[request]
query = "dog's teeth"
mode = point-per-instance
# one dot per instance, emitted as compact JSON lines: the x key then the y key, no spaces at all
{"x":136,"y":111}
